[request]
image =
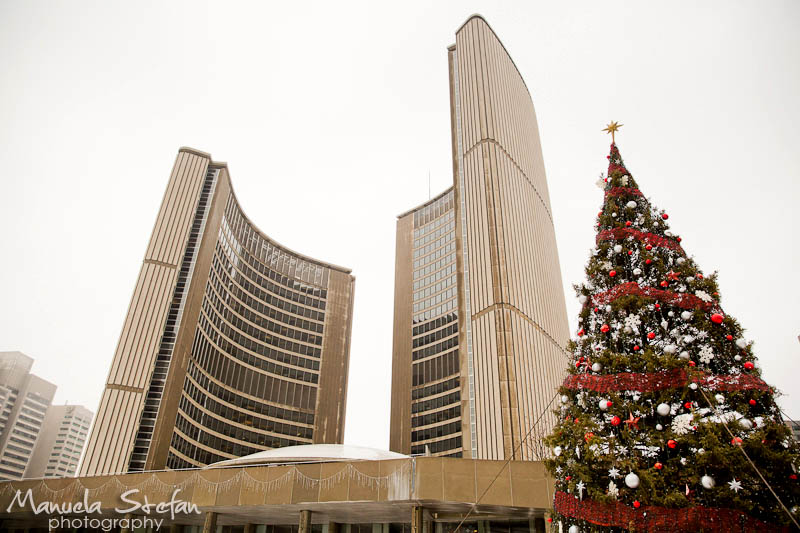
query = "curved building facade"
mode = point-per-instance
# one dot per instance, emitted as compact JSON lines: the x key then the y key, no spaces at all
{"x":233,"y":344}
{"x":511,"y":315}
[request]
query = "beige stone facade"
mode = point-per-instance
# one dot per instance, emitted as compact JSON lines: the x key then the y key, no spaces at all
{"x":507,"y":311}
{"x":232,"y":343}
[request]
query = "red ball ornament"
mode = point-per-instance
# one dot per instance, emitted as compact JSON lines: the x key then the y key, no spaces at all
{"x":752,"y":402}
{"x":692,"y":363}
{"x":600,"y":214}
{"x":588,"y":436}
{"x":658,"y":306}
{"x":596,"y":309}
{"x":580,"y":332}
{"x":615,"y":420}
{"x":628,"y":223}
{"x":664,"y":283}
{"x":637,"y":504}
{"x":651,"y":335}
{"x":604,"y":328}
{"x":636,"y":348}
{"x":648,"y":247}
{"x":792,"y":476}
{"x":749,"y":365}
{"x":658,"y":466}
{"x":648,"y":261}
{"x":729,"y":337}
{"x":678,"y":239}
{"x":612,"y":273}
{"x":688,"y":405}
{"x":549,"y":519}
{"x":665,"y":216}
{"x":609,"y":403}
{"x":671,"y":443}
{"x":630,"y":252}
{"x":717,"y":318}
{"x":577,"y":421}
{"x":699,"y":276}
{"x":568,"y":478}
{"x":736,"y":441}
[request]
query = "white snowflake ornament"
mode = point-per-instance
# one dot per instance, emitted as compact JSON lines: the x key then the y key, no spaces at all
{"x":613,"y":491}
{"x":735,"y":486}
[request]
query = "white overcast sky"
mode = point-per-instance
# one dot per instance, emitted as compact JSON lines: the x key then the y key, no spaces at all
{"x":345,"y":107}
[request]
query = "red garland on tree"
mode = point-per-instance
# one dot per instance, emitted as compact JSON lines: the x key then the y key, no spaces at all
{"x":643,"y":438}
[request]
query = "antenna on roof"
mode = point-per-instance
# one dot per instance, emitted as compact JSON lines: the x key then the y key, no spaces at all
{"x":429,"y":184}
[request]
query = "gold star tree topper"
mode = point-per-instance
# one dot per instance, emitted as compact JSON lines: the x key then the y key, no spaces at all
{"x":611,"y":128}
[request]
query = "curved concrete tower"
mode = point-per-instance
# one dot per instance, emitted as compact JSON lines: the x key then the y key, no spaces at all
{"x":477,"y":277}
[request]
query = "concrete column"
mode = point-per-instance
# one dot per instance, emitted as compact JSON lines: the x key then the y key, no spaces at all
{"x":333,"y":527}
{"x":305,"y":522}
{"x":416,"y":520}
{"x":210,"y":524}
{"x":128,"y":517}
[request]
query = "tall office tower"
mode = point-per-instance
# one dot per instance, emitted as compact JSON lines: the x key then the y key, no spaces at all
{"x":24,"y":400}
{"x":480,"y":323}
{"x":61,"y":442}
{"x":232,"y":343}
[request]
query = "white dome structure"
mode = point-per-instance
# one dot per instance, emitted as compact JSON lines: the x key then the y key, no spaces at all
{"x":312,"y":453}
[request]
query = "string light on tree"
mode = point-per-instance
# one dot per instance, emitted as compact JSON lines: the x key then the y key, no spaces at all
{"x":663,"y":385}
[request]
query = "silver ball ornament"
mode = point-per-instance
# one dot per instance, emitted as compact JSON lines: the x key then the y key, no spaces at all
{"x":708,"y":482}
{"x":597,"y":367}
{"x":632,"y":480}
{"x":686,"y":315}
{"x":745,"y":423}
{"x":663,"y":409}
{"x":557,"y":451}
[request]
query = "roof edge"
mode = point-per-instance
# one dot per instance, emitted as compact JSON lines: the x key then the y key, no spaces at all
{"x":478,"y":16}
{"x":420,"y":206}
{"x":194,"y":151}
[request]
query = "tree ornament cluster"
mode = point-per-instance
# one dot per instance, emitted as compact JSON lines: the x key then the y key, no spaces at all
{"x":659,"y":376}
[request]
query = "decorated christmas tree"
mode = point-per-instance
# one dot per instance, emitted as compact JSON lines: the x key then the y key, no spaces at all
{"x":664,"y":421}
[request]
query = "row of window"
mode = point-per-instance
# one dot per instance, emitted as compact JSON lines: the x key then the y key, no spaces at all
{"x":433,"y":324}
{"x":435,"y":369}
{"x":244,"y":270}
{"x":265,"y":364}
{"x":243,"y":402}
{"x":436,"y":388}
{"x":436,"y":300}
{"x":212,"y":423}
{"x":265,"y":338}
{"x":441,"y":245}
{"x":233,"y":311}
{"x":436,"y":265}
{"x":433,"y":349}
{"x":447,"y":251}
{"x":437,"y":335}
{"x":446,"y":272}
{"x":432,"y":211}
{"x":443,"y":226}
{"x":449,"y":281}
{"x":183,"y":425}
{"x":436,"y":416}
{"x":436,"y":431}
{"x":248,"y":381}
{"x":436,"y":403}
{"x":224,"y":283}
{"x":269,"y":253}
{"x":242,"y":417}
{"x":435,"y":311}
{"x":237,"y":299}
{"x":438,"y":446}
